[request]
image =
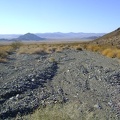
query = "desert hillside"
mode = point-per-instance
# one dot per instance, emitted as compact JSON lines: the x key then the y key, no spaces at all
{"x":112,"y":38}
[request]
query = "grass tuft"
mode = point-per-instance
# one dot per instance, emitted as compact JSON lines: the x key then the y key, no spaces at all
{"x":5,"y":50}
{"x":78,"y":48}
{"x":106,"y":51}
{"x":118,"y":54}
{"x":94,"y":48}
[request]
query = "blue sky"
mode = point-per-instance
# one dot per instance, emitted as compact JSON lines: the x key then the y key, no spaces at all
{"x":40,"y":16}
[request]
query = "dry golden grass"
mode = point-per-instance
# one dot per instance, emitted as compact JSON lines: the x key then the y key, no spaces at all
{"x":50,"y":49}
{"x":37,"y":51}
{"x":59,"y":49}
{"x":77,"y":47}
{"x":16,"y":44}
{"x":106,"y":50}
{"x":118,"y":55}
{"x":46,"y":48}
{"x":111,"y":52}
{"x":30,"y":49}
{"x":94,"y":48}
{"x":5,"y":50}
{"x":41,"y":48}
{"x":3,"y":54}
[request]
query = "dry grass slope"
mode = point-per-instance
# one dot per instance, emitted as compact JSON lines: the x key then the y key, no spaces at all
{"x":112,"y":38}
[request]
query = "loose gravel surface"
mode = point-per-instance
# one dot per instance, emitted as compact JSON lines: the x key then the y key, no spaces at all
{"x":29,"y":81}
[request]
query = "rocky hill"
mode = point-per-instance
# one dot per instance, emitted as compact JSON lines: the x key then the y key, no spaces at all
{"x":112,"y":38}
{"x":29,"y":36}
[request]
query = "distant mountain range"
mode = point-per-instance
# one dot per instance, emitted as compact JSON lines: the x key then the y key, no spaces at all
{"x":56,"y":35}
{"x":71,"y":35}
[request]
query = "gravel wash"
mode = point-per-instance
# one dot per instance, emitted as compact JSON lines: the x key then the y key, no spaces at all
{"x":89,"y":79}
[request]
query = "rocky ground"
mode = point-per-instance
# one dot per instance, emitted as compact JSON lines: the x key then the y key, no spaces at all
{"x":29,"y":81}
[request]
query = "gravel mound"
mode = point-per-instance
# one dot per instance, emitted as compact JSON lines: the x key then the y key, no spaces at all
{"x":29,"y":81}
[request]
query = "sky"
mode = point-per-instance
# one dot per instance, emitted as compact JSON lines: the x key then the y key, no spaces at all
{"x":41,"y":16}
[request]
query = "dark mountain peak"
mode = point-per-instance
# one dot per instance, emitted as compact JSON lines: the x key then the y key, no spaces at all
{"x":29,"y":36}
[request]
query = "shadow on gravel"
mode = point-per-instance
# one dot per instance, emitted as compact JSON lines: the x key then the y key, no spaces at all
{"x":20,"y":96}
{"x":12,"y":59}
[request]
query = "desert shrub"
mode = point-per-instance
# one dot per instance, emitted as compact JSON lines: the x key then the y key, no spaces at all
{"x":38,"y":51}
{"x":84,"y":46}
{"x":59,"y":49}
{"x":106,"y":51}
{"x":30,"y":50}
{"x":50,"y":49}
{"x":16,"y":44}
{"x":118,"y":46}
{"x":3,"y":54}
{"x":118,"y":54}
{"x":94,"y":48}
{"x":111,"y":54}
{"x":23,"y":50}
{"x":5,"y":50}
{"x":79,"y":48}
{"x":66,"y":47}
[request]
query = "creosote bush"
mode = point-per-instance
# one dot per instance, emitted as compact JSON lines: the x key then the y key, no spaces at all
{"x":15,"y":45}
{"x":94,"y":48}
{"x":5,"y":50}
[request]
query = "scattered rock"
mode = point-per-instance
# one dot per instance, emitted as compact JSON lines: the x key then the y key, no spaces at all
{"x":28,"y":81}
